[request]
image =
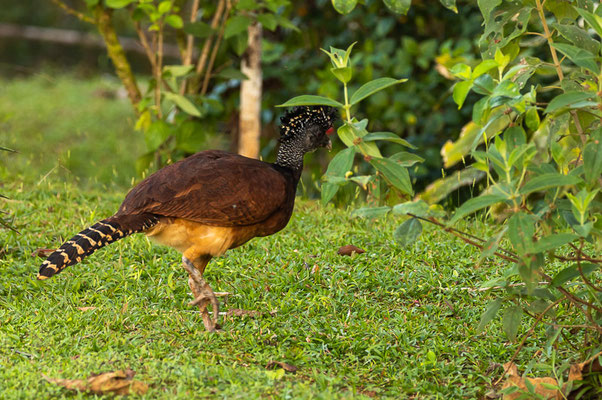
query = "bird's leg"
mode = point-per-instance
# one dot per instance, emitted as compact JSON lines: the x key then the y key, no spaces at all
{"x":203,"y":294}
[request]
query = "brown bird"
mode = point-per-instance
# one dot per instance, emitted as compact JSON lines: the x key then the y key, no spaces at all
{"x":208,"y":203}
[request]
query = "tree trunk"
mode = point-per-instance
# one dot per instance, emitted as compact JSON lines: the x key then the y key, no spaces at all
{"x":250,"y":96}
{"x":104,"y":22}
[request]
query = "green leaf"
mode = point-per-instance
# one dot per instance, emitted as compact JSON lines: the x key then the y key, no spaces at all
{"x":156,"y":134}
{"x":388,"y":136}
{"x":546,"y":181}
{"x":398,"y":6}
{"x":461,"y":70}
{"x":578,"y":37}
{"x":198,"y":29}
{"x":592,"y":158}
{"x":489,"y":314}
{"x":394,"y":173}
{"x":406,"y":159}
{"x":175,"y":21}
{"x":553,"y":242}
{"x":532,"y":119}
{"x":344,"y":6}
{"x":592,"y":19}
{"x":450,"y":4}
{"x":164,"y":7}
{"x":183,"y":103}
{"x":371,"y":212}
{"x":441,"y":188}
{"x":236,"y":25}
{"x":572,"y":272}
{"x":521,"y":228}
{"x":461,"y":90}
{"x":342,"y":74}
{"x":340,"y":164}
{"x":177,"y":71}
{"x":372,"y":87}
{"x":419,"y":208}
{"x":579,"y":56}
{"x":232,"y":73}
{"x":311,"y":100}
{"x":268,"y":20}
{"x":483,"y":67}
{"x":511,"y":321}
{"x":118,"y":3}
{"x":407,"y":233}
{"x":476,"y":204}
{"x":570,"y":99}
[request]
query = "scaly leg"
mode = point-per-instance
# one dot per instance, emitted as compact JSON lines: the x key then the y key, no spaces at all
{"x":203,"y":294}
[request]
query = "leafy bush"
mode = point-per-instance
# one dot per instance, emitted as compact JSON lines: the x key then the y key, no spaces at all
{"x":536,"y":138}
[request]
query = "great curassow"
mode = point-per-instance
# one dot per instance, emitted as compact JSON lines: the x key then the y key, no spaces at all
{"x":208,"y":203}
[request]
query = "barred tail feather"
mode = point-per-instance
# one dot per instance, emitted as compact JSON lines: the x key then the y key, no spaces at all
{"x":93,"y":238}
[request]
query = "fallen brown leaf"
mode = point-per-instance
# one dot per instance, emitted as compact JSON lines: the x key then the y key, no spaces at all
{"x":86,"y":308}
{"x":349,"y":250}
{"x":118,"y":382}
{"x":285,"y":366}
{"x":514,"y":379}
{"x":42,"y":253}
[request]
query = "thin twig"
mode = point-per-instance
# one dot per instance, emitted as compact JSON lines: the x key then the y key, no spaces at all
{"x":200,"y":66}
{"x":548,"y":36}
{"x":216,"y":48}
{"x":158,"y":71}
{"x":524,"y":339}
{"x":466,"y":237}
{"x":150,"y":54}
{"x":189,"y":42}
{"x":81,"y":16}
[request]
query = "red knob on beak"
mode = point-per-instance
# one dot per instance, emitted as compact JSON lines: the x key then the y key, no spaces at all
{"x":330,"y":131}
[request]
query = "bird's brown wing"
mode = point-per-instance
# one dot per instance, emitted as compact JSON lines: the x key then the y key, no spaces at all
{"x":211,"y":187}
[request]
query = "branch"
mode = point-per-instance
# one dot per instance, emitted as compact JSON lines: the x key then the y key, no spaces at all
{"x":200,"y":66}
{"x":466,"y":237}
{"x":104,"y":22}
{"x":524,"y":339}
{"x":81,"y":16}
{"x":548,"y":36}
{"x":215,"y":49}
{"x":147,"y":49}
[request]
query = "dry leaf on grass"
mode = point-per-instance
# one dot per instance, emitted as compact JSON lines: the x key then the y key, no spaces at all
{"x":118,"y":382}
{"x":86,"y":308}
{"x":591,"y":365}
{"x":42,"y":253}
{"x":514,"y":379}
{"x":349,"y":250}
{"x":285,"y":366}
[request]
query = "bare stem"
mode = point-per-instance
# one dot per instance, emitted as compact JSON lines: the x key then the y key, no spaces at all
{"x":557,"y":65}
{"x":81,"y":16}
{"x":200,"y":66}
{"x":189,"y":42}
{"x":147,"y":49}
{"x":215,"y":48}
{"x":526,"y":336}
{"x":158,"y":68}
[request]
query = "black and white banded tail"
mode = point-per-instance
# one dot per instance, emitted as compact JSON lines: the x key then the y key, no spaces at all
{"x":93,"y":238}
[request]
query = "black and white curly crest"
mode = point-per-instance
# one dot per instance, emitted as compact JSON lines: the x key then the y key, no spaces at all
{"x":295,"y":120}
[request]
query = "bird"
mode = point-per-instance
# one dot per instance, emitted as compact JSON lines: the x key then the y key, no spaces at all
{"x":209,"y":203}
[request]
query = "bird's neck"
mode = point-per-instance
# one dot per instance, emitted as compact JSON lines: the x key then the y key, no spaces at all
{"x":290,"y":155}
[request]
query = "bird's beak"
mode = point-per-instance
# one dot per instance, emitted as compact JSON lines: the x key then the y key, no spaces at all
{"x":328,"y":145}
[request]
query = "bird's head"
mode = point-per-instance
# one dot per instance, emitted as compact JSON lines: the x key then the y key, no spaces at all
{"x":308,"y":127}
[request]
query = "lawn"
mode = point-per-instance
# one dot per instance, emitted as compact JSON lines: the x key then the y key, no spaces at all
{"x":392,"y":322}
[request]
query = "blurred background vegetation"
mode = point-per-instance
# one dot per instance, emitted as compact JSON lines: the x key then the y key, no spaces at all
{"x":55,"y":97}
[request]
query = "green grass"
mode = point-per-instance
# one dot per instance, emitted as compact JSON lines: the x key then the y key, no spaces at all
{"x":393,"y":322}
{"x":357,"y":325}
{"x":78,"y":130}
